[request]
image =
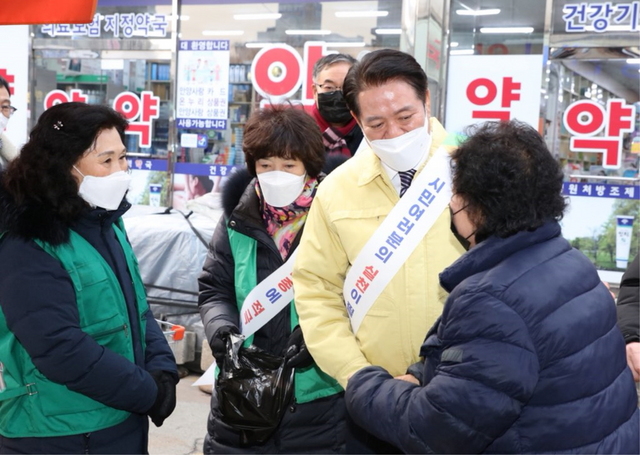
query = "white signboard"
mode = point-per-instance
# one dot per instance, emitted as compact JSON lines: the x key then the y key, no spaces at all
{"x":14,"y":67}
{"x":493,"y":87}
{"x":203,"y":84}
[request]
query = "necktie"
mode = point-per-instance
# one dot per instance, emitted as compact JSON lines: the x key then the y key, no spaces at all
{"x":405,"y":180}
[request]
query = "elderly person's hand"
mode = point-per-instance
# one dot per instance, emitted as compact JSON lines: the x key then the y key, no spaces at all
{"x":409,"y":378}
{"x":633,"y":359}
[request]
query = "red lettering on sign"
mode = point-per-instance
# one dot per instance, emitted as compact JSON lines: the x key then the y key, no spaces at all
{"x":584,"y":117}
{"x":472,"y":95}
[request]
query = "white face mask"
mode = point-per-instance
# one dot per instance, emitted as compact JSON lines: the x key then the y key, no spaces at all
{"x":280,"y":189}
{"x":403,"y":152}
{"x":3,"y":122}
{"x":106,"y":192}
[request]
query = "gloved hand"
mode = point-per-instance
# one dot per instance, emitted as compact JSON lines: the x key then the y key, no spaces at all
{"x":166,"y":399}
{"x":297,"y":354}
{"x":219,"y":342}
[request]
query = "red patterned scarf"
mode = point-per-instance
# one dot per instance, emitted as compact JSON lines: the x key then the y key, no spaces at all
{"x":284,"y":223}
{"x":333,"y":136}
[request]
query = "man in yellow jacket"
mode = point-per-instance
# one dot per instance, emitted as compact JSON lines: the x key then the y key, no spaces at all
{"x":388,"y":95}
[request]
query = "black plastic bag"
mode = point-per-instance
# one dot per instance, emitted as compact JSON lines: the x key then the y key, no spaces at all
{"x":254,"y":389}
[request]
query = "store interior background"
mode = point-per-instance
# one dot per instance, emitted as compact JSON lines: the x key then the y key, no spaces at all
{"x":591,"y":66}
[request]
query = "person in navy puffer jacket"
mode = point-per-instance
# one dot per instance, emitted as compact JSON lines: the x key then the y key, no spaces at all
{"x":527,"y":356}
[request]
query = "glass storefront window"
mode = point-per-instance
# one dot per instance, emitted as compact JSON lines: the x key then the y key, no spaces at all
{"x":481,"y":27}
{"x":350,"y":27}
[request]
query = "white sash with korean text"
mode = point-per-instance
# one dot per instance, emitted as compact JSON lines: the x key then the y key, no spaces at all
{"x":264,"y":301}
{"x":397,"y":237}
{"x":267,"y":299}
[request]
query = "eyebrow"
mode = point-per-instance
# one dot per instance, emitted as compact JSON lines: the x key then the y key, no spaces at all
{"x":399,"y":111}
{"x":111,"y":152}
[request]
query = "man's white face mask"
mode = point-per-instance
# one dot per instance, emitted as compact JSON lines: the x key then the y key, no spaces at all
{"x":403,"y":152}
{"x":4,"y":121}
{"x":106,"y":192}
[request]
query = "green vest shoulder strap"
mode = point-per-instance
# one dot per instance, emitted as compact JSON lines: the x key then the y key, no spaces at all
{"x":311,"y":383}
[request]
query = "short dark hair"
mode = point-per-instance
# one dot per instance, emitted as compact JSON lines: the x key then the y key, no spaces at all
{"x":42,"y":171}
{"x":5,"y":84}
{"x":331,"y":59}
{"x":379,"y":67}
{"x":285,"y":131}
{"x":507,"y":178}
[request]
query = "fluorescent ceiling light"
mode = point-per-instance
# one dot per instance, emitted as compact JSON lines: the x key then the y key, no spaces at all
{"x":388,"y":31}
{"x":223,"y":32}
{"x":256,"y":16}
{"x":462,"y":52}
{"x":308,"y":32}
{"x":478,"y":12}
{"x":362,"y":13}
{"x":454,"y":44}
{"x":506,"y":29}
{"x":258,"y":45}
{"x":345,"y":44}
{"x":633,"y":61}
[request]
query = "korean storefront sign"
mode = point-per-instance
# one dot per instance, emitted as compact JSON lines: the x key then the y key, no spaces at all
{"x":586,"y":119}
{"x":203,"y":84}
{"x":601,"y":17}
{"x":126,"y":25}
{"x":500,"y":87}
{"x":279,"y":71}
{"x":140,"y":111}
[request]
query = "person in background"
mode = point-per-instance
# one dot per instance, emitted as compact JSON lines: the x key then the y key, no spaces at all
{"x":83,"y":363}
{"x":7,"y":150}
{"x":527,"y":357}
{"x":387,"y":93}
{"x":629,"y":315}
{"x":340,"y":131}
{"x":265,"y":209}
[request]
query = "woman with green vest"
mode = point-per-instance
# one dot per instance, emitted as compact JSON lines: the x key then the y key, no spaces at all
{"x":265,"y":207}
{"x":83,"y":363}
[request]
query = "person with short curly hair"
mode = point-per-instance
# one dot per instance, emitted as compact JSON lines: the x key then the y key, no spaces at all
{"x":527,"y":357}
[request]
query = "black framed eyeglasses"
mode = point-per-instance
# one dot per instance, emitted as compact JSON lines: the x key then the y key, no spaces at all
{"x":8,"y":110}
{"x":328,"y":87}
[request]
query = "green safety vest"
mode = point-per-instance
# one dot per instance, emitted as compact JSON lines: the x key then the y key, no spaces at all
{"x":34,"y":406}
{"x":311,"y":382}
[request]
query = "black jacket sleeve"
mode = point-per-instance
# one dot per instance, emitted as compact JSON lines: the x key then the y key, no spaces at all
{"x":628,"y":303}
{"x":39,"y":304}
{"x":217,"y":298}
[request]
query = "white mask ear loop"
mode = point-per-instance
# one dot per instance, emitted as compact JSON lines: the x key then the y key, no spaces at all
{"x":78,"y":170}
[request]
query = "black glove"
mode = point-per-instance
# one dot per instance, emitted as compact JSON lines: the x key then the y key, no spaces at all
{"x":297,"y":354}
{"x":219,"y":342}
{"x":166,"y":399}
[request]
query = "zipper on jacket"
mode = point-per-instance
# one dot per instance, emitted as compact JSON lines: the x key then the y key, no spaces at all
{"x":110,"y":331}
{"x":87,"y":436}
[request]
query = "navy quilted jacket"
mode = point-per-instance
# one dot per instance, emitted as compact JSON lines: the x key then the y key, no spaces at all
{"x":526,"y":358}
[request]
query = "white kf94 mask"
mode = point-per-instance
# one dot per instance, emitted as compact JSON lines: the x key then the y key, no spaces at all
{"x":106,"y":192}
